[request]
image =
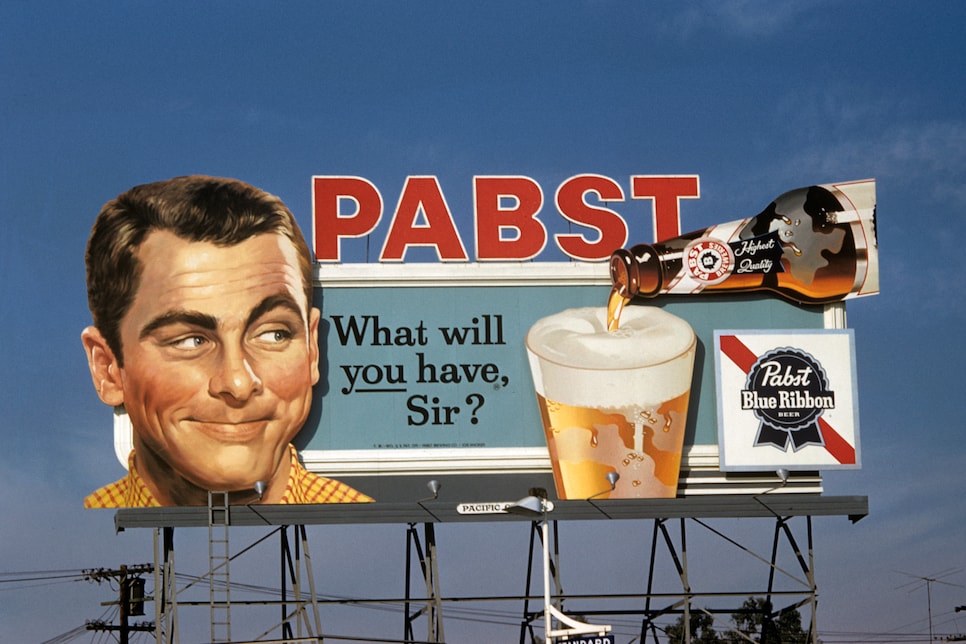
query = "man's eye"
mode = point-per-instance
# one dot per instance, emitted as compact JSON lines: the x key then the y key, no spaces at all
{"x":274,"y":336}
{"x":189,"y":342}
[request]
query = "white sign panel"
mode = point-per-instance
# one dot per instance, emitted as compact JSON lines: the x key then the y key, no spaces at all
{"x":498,"y":507}
{"x":786,"y":399}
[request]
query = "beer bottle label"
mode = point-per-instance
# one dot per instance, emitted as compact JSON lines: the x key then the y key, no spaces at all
{"x":711,"y":261}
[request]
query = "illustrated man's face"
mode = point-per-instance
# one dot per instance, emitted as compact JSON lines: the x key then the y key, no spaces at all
{"x":220,"y":354}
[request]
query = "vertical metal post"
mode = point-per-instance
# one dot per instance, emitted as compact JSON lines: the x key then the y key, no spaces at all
{"x":169,"y":591}
{"x":408,"y":624}
{"x":283,"y":561}
{"x":158,"y":592}
{"x":685,"y":582}
{"x":433,"y":607}
{"x":813,"y":598}
{"x":311,"y":579}
{"x":555,"y":564}
{"x":297,"y":586}
{"x":527,"y":623}
{"x":431,"y":572}
{"x":646,"y":622}
{"x":545,"y":535}
{"x":290,"y":576}
{"x":774,"y":559}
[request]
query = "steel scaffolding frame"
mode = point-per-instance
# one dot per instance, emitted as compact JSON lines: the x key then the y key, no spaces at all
{"x":681,"y":602}
{"x":296,"y":606}
{"x":300,"y":610}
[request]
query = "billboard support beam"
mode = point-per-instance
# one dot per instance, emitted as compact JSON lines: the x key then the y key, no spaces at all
{"x":429,"y":568}
{"x":711,"y":507}
{"x":292,"y":561}
{"x":166,"y":599}
{"x":813,"y":624}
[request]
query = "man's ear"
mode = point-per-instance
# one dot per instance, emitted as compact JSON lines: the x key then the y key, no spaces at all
{"x":105,"y":370}
{"x":314,"y":317}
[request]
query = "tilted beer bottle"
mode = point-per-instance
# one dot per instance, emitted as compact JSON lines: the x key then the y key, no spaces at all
{"x":811,"y":245}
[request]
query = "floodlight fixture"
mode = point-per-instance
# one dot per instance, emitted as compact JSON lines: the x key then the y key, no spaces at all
{"x":530,"y":506}
{"x":612,"y":478}
{"x":433,"y":486}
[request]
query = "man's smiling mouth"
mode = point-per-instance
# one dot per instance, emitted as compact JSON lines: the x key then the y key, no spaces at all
{"x":231,"y":431}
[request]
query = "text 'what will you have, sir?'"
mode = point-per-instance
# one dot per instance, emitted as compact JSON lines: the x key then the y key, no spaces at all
{"x":423,"y":409}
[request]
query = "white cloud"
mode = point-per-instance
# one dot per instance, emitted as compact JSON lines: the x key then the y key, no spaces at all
{"x":738,"y":18}
{"x":926,"y":158}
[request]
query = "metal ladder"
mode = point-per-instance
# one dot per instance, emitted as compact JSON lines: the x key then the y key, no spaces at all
{"x":219,"y":520}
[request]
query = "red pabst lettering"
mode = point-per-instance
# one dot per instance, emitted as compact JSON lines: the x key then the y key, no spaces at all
{"x":329,"y":225}
{"x":667,"y":193}
{"x":610,"y":226}
{"x":422,"y":218}
{"x":505,"y":210}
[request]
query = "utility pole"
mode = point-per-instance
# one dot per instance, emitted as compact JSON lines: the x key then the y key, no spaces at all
{"x":130,"y":599}
{"x":928,"y":582}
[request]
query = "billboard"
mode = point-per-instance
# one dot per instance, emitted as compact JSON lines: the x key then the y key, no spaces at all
{"x":425,"y":370}
{"x":428,"y":369}
{"x":427,"y":373}
{"x":787,"y":399}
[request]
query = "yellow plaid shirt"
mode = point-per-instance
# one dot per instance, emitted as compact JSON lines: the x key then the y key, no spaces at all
{"x":302,"y":487}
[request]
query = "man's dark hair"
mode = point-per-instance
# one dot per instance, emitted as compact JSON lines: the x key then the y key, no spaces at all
{"x":197,"y":208}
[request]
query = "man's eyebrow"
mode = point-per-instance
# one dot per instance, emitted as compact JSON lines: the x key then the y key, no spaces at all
{"x":180,"y":316}
{"x":210,"y":322}
{"x":281,"y":300}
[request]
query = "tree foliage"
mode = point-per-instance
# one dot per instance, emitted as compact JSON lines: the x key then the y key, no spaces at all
{"x":755,"y":621}
{"x":702,"y":629}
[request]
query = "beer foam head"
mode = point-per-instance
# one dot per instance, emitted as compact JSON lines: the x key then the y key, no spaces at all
{"x":576,"y":360}
{"x":579,"y":338}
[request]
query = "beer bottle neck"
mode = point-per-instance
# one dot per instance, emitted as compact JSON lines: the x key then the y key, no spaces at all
{"x":637,"y":272}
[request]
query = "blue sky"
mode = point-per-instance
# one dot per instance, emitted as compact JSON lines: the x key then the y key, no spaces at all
{"x":755,"y":97}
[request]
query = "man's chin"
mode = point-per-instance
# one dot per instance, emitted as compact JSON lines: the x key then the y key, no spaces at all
{"x":236,"y":476}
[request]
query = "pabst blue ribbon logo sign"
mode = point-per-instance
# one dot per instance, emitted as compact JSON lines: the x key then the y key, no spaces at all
{"x":788,"y":391}
{"x":786,"y":399}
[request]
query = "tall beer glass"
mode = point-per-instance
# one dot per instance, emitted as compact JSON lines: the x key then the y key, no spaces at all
{"x":613,"y":401}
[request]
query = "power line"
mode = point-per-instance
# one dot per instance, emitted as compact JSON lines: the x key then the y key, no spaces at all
{"x":65,"y":571}
{"x":39,"y":575}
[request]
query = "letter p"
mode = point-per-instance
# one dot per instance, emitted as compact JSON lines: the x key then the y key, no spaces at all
{"x":330,"y":225}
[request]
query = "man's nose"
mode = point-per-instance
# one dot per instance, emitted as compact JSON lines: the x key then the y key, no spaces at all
{"x":234,"y":378}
